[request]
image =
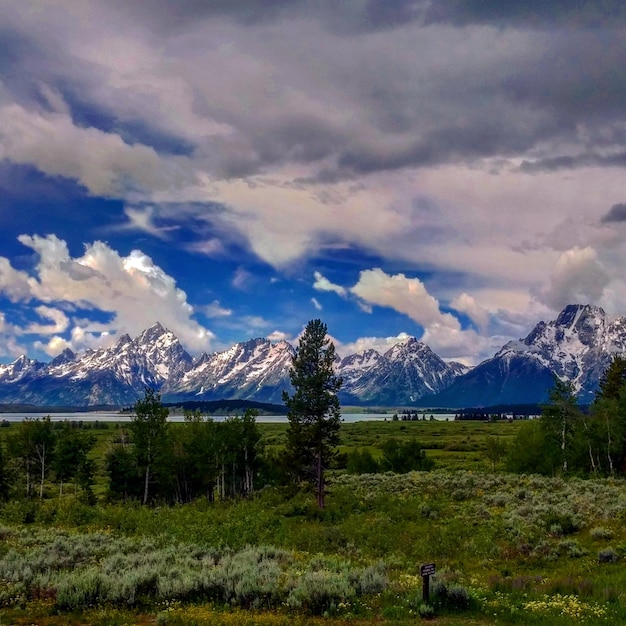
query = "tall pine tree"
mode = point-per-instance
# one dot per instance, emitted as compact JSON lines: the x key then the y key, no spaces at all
{"x":313,"y":410}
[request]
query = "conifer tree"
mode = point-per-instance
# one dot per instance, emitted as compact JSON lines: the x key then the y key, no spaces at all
{"x":313,"y":410}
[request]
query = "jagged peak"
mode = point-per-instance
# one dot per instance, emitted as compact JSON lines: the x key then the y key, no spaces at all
{"x":124,"y":339}
{"x":64,"y":357}
{"x":572,"y":313}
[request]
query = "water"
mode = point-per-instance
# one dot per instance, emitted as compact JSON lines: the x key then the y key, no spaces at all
{"x":113,"y":416}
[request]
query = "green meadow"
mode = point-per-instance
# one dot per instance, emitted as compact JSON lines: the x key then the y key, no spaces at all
{"x":508,"y":548}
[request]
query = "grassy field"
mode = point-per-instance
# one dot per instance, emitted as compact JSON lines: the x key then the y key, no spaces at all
{"x":508,"y":549}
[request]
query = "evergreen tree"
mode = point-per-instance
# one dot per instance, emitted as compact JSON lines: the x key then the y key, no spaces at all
{"x":149,"y":430}
{"x":313,"y":410}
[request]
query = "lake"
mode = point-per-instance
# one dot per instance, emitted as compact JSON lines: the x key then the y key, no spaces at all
{"x":113,"y":416}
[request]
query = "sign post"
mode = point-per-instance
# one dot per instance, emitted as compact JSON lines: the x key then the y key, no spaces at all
{"x":426,"y":571}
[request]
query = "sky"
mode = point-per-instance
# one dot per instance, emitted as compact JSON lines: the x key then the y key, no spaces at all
{"x":452,"y":170}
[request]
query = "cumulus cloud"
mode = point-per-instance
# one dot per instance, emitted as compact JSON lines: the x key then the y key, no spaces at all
{"x":323,"y":284}
{"x":80,"y":339}
{"x":578,"y":278}
{"x":134,"y":290}
{"x":406,"y":295}
{"x":468,"y":305}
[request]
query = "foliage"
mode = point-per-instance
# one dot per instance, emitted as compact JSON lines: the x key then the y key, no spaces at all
{"x":313,"y":409}
{"x":149,"y":430}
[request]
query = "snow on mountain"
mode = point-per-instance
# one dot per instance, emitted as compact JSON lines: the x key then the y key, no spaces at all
{"x":253,"y":370}
{"x":577,"y":346}
{"x":402,"y":375}
{"x":114,"y":375}
{"x":21,"y":368}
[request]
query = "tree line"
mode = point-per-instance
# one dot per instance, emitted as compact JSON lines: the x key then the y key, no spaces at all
{"x":152,"y":462}
{"x":570,"y":440}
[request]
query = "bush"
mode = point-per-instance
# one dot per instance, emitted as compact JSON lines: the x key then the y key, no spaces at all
{"x":600,"y":533}
{"x":608,"y":555}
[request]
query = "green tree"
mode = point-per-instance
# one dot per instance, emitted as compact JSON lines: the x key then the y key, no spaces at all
{"x":403,"y":457}
{"x":609,"y":417}
{"x":529,"y":451}
{"x":149,"y":430}
{"x":32,"y":451}
{"x":495,"y":450}
{"x":5,"y":482}
{"x":560,"y":421}
{"x":71,"y":460}
{"x":313,"y":410}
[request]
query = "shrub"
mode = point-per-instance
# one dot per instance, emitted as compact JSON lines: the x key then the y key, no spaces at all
{"x":321,"y":592}
{"x":600,"y":533}
{"x":608,"y":555}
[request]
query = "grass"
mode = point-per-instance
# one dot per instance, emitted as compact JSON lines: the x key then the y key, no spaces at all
{"x":516,"y":549}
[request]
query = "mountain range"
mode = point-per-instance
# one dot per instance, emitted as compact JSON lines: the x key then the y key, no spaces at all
{"x":577,"y":346}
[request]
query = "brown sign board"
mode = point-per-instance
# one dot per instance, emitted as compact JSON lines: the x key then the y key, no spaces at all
{"x":428,"y":569}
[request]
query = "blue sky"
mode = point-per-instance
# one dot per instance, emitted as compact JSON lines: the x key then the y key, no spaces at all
{"x":448,"y":170}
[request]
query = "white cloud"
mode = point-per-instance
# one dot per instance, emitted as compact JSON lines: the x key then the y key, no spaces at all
{"x":468,"y":305}
{"x":406,"y":295}
{"x":578,"y":278}
{"x":278,"y":335}
{"x":242,"y":279}
{"x":316,"y":304}
{"x":380,"y":344}
{"x":142,"y":219}
{"x":100,"y":161}
{"x":135,"y":290}
{"x":215,"y":309}
{"x":58,"y":317}
{"x":9,"y":346}
{"x":323,"y":284}
{"x":80,"y":339}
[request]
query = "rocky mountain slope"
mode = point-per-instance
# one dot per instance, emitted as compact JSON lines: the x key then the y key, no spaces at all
{"x":577,"y":346}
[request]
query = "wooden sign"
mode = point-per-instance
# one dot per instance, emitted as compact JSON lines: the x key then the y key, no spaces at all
{"x":428,"y":569}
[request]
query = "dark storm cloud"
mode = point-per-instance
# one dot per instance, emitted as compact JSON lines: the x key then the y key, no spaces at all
{"x":529,"y":13}
{"x":379,"y":85}
{"x":572,"y":162}
{"x":616,"y":214}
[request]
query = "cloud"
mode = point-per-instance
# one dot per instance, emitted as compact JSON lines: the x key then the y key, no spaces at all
{"x":215,"y":309}
{"x":468,"y":305}
{"x":616,"y":214}
{"x":100,"y":161}
{"x":380,"y":344}
{"x":13,"y":283}
{"x":323,"y":284}
{"x":278,"y":335}
{"x":133,"y":289}
{"x":80,"y":339}
{"x":142,"y":219}
{"x":406,"y":295}
{"x":316,"y":304}
{"x":59,"y":319}
{"x":578,"y":278}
